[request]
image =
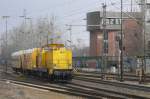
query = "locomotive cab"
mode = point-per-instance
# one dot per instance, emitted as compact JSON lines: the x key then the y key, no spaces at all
{"x":59,"y":60}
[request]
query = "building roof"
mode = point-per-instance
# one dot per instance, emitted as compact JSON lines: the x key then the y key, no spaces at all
{"x":111,"y":14}
{"x":94,"y":19}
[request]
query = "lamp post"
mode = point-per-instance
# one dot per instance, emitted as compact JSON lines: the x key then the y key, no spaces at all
{"x":6,"y":43}
{"x":121,"y":44}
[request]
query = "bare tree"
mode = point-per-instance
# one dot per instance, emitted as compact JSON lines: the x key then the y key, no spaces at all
{"x":31,"y":35}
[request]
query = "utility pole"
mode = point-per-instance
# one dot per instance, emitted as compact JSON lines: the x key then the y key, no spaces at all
{"x":131,"y":6}
{"x":24,"y":16}
{"x":70,"y":31}
{"x":143,"y":12}
{"x":50,"y":32}
{"x":121,"y":44}
{"x":105,"y":41}
{"x":28,"y":35}
{"x":6,"y":43}
{"x":53,"y":39}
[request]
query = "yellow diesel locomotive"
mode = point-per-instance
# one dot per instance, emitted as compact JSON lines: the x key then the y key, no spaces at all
{"x":53,"y":61}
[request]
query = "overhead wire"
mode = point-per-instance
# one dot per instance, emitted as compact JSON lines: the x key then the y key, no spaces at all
{"x":125,"y":12}
{"x":86,"y":10}
{"x":54,"y":7}
{"x":81,"y":12}
{"x":125,"y":3}
{"x":76,"y":12}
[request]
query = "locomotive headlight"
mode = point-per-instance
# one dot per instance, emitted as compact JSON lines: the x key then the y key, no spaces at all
{"x":54,"y":66}
{"x":70,"y":66}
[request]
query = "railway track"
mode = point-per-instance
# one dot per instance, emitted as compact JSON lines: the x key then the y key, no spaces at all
{"x":55,"y":88}
{"x":71,"y":89}
{"x":74,"y":88}
{"x":119,"y":85}
{"x":114,"y":83}
{"x":127,"y":77}
{"x":123,"y":95}
{"x":78,"y":90}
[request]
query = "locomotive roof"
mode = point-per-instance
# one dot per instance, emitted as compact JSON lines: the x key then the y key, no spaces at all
{"x":21,"y":52}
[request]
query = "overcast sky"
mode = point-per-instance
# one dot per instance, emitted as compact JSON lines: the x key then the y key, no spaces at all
{"x":66,"y":11}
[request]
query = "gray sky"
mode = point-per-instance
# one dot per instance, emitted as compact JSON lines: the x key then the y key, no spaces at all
{"x":66,"y":11}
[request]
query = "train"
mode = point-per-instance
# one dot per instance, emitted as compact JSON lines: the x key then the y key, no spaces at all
{"x":53,"y":61}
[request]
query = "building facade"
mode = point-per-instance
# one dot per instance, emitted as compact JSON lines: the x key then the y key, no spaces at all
{"x":132,"y":33}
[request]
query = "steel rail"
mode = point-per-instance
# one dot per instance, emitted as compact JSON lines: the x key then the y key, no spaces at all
{"x":98,"y":73}
{"x":125,"y":95}
{"x":79,"y":89}
{"x":75,"y":89}
{"x":59,"y":89}
{"x":127,"y":77}
{"x":114,"y":83}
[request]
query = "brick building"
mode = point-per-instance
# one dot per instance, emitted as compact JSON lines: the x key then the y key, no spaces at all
{"x":132,"y":37}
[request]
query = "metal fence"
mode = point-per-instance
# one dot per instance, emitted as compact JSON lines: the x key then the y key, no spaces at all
{"x":87,"y":63}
